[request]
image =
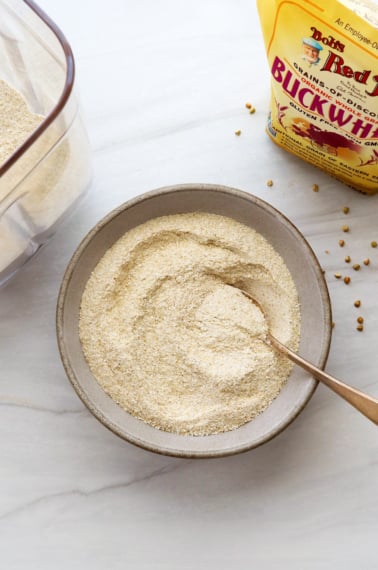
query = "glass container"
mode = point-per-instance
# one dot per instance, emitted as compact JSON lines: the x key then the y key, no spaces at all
{"x":44,"y":178}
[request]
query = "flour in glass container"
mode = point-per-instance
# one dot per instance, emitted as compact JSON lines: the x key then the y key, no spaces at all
{"x":167,"y":333}
{"x":45,"y":182}
{"x":17,"y":122}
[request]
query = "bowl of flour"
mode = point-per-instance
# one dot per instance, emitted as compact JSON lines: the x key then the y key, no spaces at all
{"x":157,"y":338}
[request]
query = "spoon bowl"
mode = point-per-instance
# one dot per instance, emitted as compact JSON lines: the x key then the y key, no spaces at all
{"x":367,"y":405}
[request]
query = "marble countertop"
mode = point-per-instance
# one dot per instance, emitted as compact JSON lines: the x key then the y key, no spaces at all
{"x":163,"y":87}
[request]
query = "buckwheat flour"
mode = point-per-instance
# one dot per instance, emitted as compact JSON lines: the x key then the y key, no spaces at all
{"x":17,"y":122}
{"x":171,"y":339}
{"x":44,"y":183}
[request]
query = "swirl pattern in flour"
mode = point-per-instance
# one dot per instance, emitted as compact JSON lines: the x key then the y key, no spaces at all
{"x":171,"y":339}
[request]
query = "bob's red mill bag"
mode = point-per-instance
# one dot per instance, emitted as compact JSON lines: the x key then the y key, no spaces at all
{"x":323,"y":58}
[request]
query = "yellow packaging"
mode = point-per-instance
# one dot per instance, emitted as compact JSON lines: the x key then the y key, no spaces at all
{"x":324,"y":74}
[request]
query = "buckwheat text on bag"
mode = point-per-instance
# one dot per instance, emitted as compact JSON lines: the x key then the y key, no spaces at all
{"x":323,"y":59}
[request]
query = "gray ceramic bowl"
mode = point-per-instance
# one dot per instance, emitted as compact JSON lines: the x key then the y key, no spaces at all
{"x":306,"y":272}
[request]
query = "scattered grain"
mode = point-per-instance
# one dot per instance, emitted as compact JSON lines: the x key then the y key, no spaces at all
{"x":347,"y":280}
{"x":356,"y":266}
{"x":367,"y":261}
{"x":373,"y":244}
{"x":252,"y":111}
{"x":315,"y":188}
{"x":341,"y":242}
{"x":347,"y":259}
{"x":357,"y":303}
{"x":346,"y":210}
{"x":360,"y":320}
{"x":360,"y":328}
{"x":338,"y":275}
{"x":269,"y":183}
{"x":238,"y":133}
{"x":248,"y":105}
{"x":345,"y":228}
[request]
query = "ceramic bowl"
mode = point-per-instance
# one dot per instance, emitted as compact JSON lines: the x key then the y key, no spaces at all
{"x":304,"y":268}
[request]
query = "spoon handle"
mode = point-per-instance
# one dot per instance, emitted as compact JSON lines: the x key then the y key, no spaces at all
{"x":362,"y":402}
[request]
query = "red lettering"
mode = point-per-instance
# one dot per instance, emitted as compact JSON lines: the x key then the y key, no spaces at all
{"x":362,"y":76}
{"x":277,"y":68}
{"x":317,"y":105}
{"x":293,"y":89}
{"x":329,"y":41}
{"x":374,"y":93}
{"x":302,"y":94}
{"x":365,"y":128}
{"x":337,"y":115}
{"x":316,"y":34}
{"x":333,"y":60}
{"x":339,"y":46}
{"x":335,"y":64}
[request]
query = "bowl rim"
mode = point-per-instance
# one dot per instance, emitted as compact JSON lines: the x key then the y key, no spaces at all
{"x":72,"y":265}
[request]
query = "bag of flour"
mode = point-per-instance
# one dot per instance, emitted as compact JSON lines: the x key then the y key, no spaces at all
{"x":323,"y":59}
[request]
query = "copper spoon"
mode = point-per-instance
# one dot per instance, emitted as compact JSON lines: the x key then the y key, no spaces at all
{"x":367,"y":405}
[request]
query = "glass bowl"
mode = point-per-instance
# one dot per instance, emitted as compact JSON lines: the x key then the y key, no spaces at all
{"x":42,"y":181}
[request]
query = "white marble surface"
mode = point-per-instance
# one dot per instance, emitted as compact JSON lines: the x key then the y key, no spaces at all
{"x":163,"y":86}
